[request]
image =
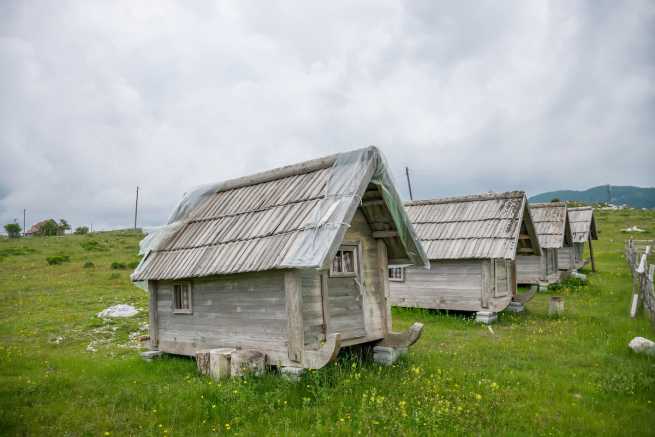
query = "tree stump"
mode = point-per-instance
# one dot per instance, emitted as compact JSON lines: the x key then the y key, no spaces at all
{"x":555,"y":306}
{"x":219,"y":362}
{"x":247,"y":362}
{"x":202,"y":361}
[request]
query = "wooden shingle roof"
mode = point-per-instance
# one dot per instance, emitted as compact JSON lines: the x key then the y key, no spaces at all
{"x":490,"y":225}
{"x":551,"y":223}
{"x":583,"y":224}
{"x":290,"y":217}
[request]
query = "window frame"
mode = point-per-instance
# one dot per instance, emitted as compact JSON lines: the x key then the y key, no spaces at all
{"x":354,"y":248}
{"x":177,"y":310}
{"x":402,"y":273}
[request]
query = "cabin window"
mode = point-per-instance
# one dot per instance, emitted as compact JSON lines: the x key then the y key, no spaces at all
{"x":396,"y":274}
{"x":344,"y":262}
{"x":182,"y":298}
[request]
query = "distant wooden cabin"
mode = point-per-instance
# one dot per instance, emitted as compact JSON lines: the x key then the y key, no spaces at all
{"x":472,"y":243}
{"x":554,"y":232}
{"x":290,"y":262}
{"x":583,"y":230}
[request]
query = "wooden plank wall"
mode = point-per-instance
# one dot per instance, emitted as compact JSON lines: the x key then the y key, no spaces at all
{"x":354,"y":312}
{"x":578,"y":250}
{"x":536,"y":269}
{"x":529,"y":269}
{"x":375,"y":304}
{"x":245,"y":310}
{"x":455,"y":285}
{"x":565,"y":258}
{"x":312,"y":308}
{"x":504,"y":284}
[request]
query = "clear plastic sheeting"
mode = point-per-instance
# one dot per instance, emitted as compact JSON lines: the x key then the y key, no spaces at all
{"x":349,"y":175}
{"x":156,"y":237}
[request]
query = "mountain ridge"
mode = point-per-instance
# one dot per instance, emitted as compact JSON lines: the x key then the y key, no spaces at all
{"x":635,"y":197}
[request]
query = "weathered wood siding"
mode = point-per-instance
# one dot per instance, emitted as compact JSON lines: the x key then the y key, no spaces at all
{"x":312,"y":308}
{"x":503,"y":275}
{"x":455,"y":285}
{"x":356,"y":308}
{"x":242,"y":310}
{"x":565,"y":257}
{"x":578,"y":250}
{"x":529,"y":269}
{"x":465,"y":285}
{"x":537,"y":269}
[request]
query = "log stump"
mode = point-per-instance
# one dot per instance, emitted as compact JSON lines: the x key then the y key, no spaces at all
{"x":202,"y":361}
{"x":556,"y":306}
{"x":247,"y":362}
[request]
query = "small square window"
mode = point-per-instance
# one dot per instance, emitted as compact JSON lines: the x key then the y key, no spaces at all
{"x":397,"y":274}
{"x":182,"y":298}
{"x":344,"y":262}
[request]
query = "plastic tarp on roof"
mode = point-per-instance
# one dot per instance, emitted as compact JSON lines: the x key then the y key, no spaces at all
{"x":344,"y":186}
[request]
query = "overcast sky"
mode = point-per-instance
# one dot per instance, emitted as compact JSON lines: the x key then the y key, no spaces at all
{"x":99,"y":97}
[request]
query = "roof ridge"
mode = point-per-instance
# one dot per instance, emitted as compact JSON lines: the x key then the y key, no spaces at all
{"x":547,"y":205}
{"x":469,"y":238}
{"x":470,"y":198}
{"x":420,"y":222}
{"x":283,"y":172}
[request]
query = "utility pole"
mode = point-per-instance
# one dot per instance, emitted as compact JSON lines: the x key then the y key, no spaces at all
{"x":136,"y":206}
{"x":24,"y":230}
{"x":409,"y":184}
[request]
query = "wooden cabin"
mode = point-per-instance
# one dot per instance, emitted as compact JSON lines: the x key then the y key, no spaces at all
{"x":472,"y":243}
{"x":554,"y":232}
{"x":583,"y":230}
{"x":291,"y":262}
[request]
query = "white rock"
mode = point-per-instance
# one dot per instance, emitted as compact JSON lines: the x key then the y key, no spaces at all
{"x":120,"y":310}
{"x":642,"y":345}
{"x":633,"y":229}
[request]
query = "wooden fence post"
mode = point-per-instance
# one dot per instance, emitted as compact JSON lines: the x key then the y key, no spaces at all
{"x":591,"y":255}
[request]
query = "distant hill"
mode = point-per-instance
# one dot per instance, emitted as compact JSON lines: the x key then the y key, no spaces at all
{"x":636,"y":197}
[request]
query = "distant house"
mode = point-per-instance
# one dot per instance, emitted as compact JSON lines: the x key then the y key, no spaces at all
{"x":552,"y":226}
{"x":37,"y":228}
{"x":290,"y":262}
{"x":472,"y":243}
{"x":583,"y":230}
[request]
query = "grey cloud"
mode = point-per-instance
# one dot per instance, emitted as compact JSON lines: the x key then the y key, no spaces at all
{"x":98,"y":97}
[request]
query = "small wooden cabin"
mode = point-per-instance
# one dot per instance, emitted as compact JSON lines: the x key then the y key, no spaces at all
{"x":583,"y":230}
{"x":290,"y":262}
{"x":554,"y":232}
{"x":472,"y":243}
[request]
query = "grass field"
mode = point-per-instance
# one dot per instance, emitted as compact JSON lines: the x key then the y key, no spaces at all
{"x":63,"y":371}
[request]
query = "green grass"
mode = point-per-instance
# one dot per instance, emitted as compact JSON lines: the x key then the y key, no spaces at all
{"x":529,"y":374}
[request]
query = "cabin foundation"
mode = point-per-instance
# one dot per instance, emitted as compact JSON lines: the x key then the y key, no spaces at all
{"x":388,"y":355}
{"x":516,"y":307}
{"x":486,"y":317}
{"x":151,"y":355}
{"x":292,"y":374}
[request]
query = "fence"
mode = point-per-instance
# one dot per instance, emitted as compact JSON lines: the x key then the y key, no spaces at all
{"x":637,"y":253}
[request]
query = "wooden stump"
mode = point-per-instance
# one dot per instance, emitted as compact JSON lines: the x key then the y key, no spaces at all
{"x":247,"y":362}
{"x":219,"y":362}
{"x":555,"y":306}
{"x":202,"y":361}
